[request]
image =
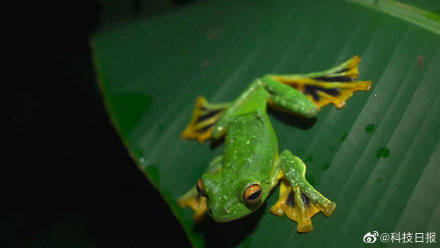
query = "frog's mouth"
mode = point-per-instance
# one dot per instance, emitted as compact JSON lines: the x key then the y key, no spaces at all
{"x":230,"y":214}
{"x":226,"y":218}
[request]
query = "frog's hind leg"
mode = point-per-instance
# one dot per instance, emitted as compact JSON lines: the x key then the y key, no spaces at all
{"x":205,"y":116}
{"x":194,"y":198}
{"x":299,"y":201}
{"x":335,"y":85}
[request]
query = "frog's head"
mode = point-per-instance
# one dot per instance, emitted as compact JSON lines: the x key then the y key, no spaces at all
{"x":232,"y":199}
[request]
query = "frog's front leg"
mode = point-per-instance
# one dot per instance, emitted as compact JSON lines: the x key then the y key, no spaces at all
{"x":299,"y":201}
{"x":195,"y":198}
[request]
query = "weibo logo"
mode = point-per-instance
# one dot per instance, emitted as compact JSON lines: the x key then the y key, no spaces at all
{"x":370,"y":237}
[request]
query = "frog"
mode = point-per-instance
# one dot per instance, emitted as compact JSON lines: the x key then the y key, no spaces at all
{"x":238,"y":182}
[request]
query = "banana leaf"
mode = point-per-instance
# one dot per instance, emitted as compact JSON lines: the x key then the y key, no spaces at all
{"x":378,"y":158}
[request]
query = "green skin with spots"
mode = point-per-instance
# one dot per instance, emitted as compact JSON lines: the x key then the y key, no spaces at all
{"x":238,"y":182}
{"x":251,"y":148}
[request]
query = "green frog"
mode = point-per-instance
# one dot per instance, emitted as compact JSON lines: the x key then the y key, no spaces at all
{"x":238,"y":182}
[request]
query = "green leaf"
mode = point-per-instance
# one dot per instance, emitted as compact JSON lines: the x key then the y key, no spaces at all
{"x":151,"y":71}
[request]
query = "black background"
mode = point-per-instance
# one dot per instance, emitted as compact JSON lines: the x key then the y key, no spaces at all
{"x":69,"y":179}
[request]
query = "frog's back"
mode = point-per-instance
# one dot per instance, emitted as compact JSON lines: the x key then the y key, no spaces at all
{"x":250,"y":145}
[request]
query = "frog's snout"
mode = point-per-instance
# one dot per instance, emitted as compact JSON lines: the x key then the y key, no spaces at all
{"x":227,"y":213}
{"x":219,"y":214}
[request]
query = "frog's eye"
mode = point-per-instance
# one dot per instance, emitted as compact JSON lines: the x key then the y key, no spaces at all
{"x":199,"y":186}
{"x":252,"y":194}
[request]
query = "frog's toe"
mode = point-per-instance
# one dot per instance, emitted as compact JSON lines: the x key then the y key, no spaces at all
{"x":297,"y":207}
{"x":328,"y":209}
{"x":195,"y":201}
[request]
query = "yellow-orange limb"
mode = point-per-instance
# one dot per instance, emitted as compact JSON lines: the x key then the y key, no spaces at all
{"x":203,"y":119}
{"x":195,"y":201}
{"x":292,"y":205}
{"x":334,"y":86}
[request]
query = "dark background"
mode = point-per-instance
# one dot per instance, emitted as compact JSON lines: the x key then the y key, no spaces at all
{"x":69,"y":180}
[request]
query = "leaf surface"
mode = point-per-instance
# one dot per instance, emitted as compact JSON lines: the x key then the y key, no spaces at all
{"x":378,"y":157}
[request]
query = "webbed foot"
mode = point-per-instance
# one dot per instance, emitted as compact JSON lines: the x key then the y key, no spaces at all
{"x":194,"y":198}
{"x":204,"y":117}
{"x":299,"y":201}
{"x":195,"y":201}
{"x":335,"y":85}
